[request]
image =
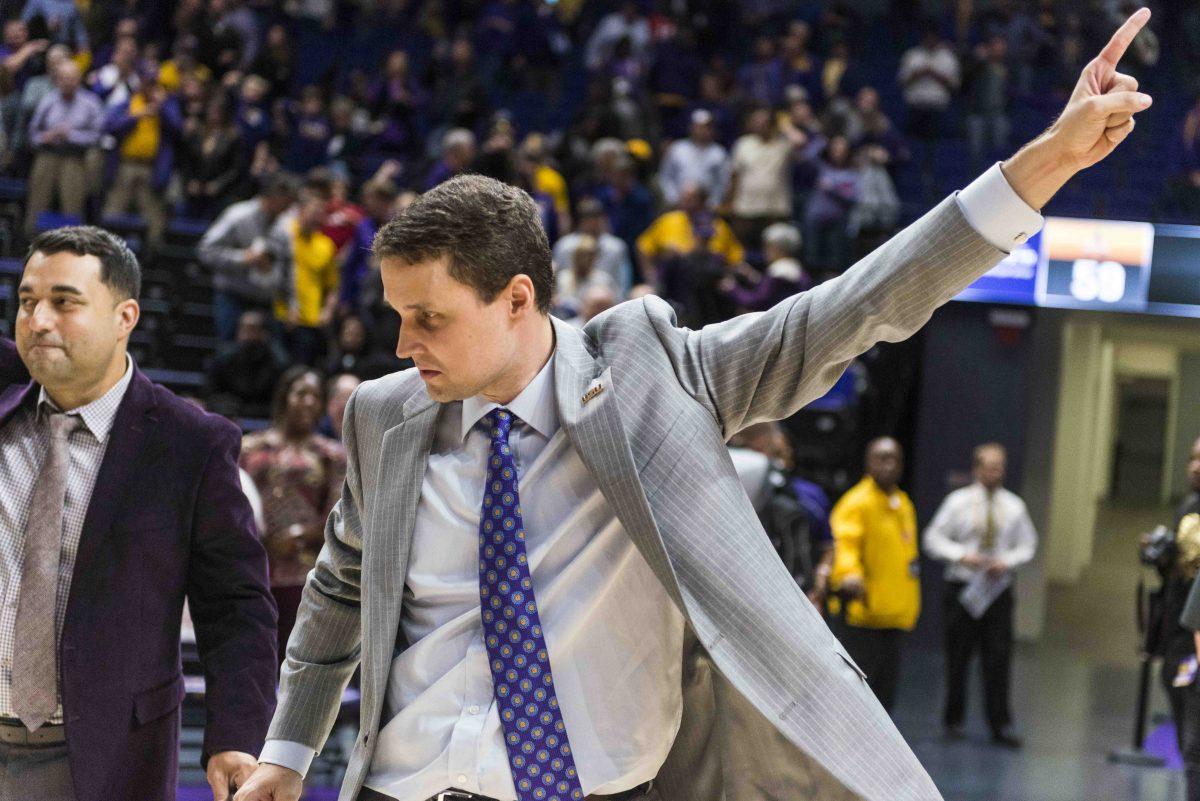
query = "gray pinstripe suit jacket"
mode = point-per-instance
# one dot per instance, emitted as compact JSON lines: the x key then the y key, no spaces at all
{"x":774,"y":709}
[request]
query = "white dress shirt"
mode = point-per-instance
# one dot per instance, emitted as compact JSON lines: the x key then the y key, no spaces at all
{"x":926,"y":91}
{"x":959,"y":525}
{"x":614,"y":636}
{"x":687,"y":162}
{"x":615,"y":639}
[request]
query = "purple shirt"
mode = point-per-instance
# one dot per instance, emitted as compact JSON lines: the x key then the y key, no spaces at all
{"x":82,"y":116}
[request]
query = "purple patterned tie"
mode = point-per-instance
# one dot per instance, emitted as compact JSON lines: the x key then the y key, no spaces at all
{"x":539,"y":753}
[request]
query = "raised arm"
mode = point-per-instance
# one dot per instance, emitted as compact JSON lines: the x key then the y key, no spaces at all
{"x":767,"y":366}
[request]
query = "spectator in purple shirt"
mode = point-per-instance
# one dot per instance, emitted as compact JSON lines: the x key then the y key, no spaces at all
{"x":800,"y":67}
{"x":253,"y":117}
{"x":60,"y":20}
{"x":17,"y":53}
{"x":17,"y":60}
{"x":311,"y":130}
{"x":118,"y":81}
{"x":829,"y":207}
{"x":398,"y":102}
{"x":458,"y":152}
{"x":66,"y":124}
{"x":628,"y":202}
{"x":716,"y":98}
{"x":673,"y":80}
{"x":784,"y":276}
{"x":761,"y":81}
{"x":378,"y":199}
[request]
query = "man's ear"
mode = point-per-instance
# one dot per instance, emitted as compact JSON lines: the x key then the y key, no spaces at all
{"x":130,"y":312}
{"x":521,"y":293}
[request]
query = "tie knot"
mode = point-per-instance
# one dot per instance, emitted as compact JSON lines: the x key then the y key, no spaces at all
{"x":63,"y":425}
{"x":501,"y":421}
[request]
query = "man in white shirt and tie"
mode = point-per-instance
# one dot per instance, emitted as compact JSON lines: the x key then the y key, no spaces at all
{"x":983,"y":533}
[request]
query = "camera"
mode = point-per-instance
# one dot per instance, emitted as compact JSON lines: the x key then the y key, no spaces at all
{"x":1157,"y":548}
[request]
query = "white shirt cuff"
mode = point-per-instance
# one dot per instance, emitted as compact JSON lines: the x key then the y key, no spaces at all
{"x":997,"y":212}
{"x":287,"y":754}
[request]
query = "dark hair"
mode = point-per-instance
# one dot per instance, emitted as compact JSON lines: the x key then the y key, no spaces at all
{"x":382,"y":188}
{"x":284,"y":388}
{"x":490,"y":231}
{"x":319,"y":181}
{"x":119,"y":269}
{"x":279,"y":184}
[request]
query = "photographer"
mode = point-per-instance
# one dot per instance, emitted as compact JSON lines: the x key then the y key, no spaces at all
{"x":1175,"y":619}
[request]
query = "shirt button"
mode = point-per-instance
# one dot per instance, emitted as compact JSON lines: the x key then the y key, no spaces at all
{"x":474,"y":710}
{"x":462,"y":780}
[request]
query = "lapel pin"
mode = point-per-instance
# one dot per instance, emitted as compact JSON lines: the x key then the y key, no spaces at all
{"x":593,"y":392}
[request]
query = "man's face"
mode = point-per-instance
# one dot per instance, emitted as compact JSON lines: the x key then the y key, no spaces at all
{"x":68,"y":77}
{"x":691,"y":199}
{"x":990,"y":469}
{"x":276,"y":204}
{"x":70,"y":326}
{"x":702,"y":132}
{"x":252,"y":329}
{"x":15,"y":34}
{"x":343,"y":388}
{"x":312,"y":211}
{"x":125,"y":54}
{"x":759,"y":123}
{"x":885,"y":463}
{"x":461,"y":345}
{"x":592,"y":224}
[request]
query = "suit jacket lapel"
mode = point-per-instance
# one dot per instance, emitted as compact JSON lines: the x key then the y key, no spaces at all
{"x":400,"y":474}
{"x":131,"y":430}
{"x":13,"y":397}
{"x":594,"y":428}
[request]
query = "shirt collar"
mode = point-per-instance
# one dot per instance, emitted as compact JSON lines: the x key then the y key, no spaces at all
{"x":535,"y":405}
{"x":98,"y":415}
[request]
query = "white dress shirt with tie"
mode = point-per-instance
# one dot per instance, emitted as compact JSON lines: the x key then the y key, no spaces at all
{"x":614,"y":637}
{"x":959,"y":527}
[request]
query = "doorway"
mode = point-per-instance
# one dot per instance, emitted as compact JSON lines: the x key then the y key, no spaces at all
{"x":1139,"y":444}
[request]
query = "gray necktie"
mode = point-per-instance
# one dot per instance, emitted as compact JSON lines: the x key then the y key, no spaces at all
{"x":35,"y":663}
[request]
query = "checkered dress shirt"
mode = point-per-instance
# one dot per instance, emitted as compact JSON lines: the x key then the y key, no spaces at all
{"x":24,"y":443}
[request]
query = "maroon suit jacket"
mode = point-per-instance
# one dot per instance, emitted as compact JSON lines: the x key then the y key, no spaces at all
{"x":167,"y":520}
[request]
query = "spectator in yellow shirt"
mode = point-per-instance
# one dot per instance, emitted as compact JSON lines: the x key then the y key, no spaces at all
{"x":316,"y":275}
{"x":686,"y":253}
{"x":144,"y":127}
{"x":876,"y":565}
{"x":547,"y":180}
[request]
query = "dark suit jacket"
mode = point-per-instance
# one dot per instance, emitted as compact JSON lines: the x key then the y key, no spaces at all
{"x":167,"y":520}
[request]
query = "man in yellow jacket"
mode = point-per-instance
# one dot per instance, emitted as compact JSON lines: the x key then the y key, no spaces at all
{"x":876,"y":564}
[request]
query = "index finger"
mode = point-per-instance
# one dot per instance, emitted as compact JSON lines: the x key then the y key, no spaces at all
{"x":1119,"y":43}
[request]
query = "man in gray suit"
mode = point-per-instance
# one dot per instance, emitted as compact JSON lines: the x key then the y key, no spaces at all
{"x":610,"y":622}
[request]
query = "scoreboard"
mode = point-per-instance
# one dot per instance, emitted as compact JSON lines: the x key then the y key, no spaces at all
{"x":1102,"y":265}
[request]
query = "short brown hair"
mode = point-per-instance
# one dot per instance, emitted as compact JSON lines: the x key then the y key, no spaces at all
{"x":490,"y":232}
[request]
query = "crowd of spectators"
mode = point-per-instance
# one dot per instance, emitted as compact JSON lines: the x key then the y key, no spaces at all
{"x":668,"y":155}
